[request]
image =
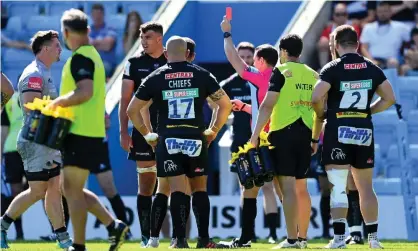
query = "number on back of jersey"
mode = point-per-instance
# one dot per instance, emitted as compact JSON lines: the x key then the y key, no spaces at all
{"x":355,"y":94}
{"x":181,"y":103}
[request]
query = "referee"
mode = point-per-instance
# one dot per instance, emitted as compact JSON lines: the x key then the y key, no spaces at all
{"x":288,"y":102}
{"x":83,"y":91}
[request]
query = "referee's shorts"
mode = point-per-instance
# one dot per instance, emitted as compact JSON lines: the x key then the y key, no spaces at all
{"x":292,"y":150}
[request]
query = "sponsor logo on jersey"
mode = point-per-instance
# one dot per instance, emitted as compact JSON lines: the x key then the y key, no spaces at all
{"x":181,"y":93}
{"x":357,"y":66}
{"x":35,"y":83}
{"x":175,"y":75}
{"x":301,"y":103}
{"x":351,"y":115}
{"x":356,"y":85}
{"x":355,"y":136}
{"x":169,"y":166}
{"x":288,"y":74}
{"x":189,"y":147}
{"x":306,"y":87}
{"x":242,"y":98}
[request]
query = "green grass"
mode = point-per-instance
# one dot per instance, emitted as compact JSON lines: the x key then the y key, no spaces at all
{"x":131,"y":246}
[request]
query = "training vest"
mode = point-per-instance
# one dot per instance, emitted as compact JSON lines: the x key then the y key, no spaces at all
{"x":295,"y":99}
{"x":15,"y":115}
{"x":88,"y":116}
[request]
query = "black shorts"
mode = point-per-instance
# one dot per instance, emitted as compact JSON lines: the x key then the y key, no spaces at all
{"x":44,"y":175}
{"x":105,"y":160}
{"x":348,"y":145}
{"x":141,"y":150}
{"x":173,"y":159}
{"x":83,"y":152}
{"x":292,"y":151}
{"x":13,"y":166}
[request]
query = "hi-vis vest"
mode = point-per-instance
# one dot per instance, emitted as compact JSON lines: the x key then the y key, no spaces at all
{"x":88,"y":117}
{"x":295,"y":100}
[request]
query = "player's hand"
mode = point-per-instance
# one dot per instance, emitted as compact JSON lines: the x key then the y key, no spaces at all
{"x":210,"y":135}
{"x":125,"y":141}
{"x":314,"y":147}
{"x":226,"y":25}
{"x":55,"y":103}
{"x":152,"y":139}
{"x":237,"y":105}
{"x":254,"y":140}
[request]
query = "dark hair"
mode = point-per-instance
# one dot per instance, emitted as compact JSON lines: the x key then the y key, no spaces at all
{"x":136,"y":14}
{"x":346,"y":36}
{"x":97,"y":6}
{"x":383,"y":3}
{"x":246,"y":46}
{"x":75,"y":20}
{"x":268,"y":53}
{"x":191,"y":45}
{"x":293,"y":44}
{"x":152,"y":26}
{"x":42,"y":38}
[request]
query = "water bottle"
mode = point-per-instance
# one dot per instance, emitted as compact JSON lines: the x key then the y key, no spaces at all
{"x":267,"y":163}
{"x":61,"y":124}
{"x":245,"y":176}
{"x":44,"y":127}
{"x":256,"y":167}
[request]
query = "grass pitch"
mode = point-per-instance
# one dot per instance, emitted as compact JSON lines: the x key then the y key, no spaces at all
{"x":131,"y":246}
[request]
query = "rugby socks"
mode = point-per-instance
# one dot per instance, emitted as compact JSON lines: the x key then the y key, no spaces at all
{"x":158,"y":213}
{"x":19,"y":228}
{"x":143,"y":204}
{"x":118,"y":207}
{"x":111,"y":226}
{"x":339,"y":229}
{"x":325,"y":208}
{"x":249,"y":212}
{"x":66,"y":211}
{"x":201,"y":210}
{"x":271,"y":223}
{"x":180,"y":211}
{"x":372,"y":230}
{"x":6,"y":221}
{"x":354,"y":216}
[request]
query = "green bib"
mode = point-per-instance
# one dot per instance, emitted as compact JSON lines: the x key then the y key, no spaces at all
{"x":88,"y":117}
{"x":15,"y":115}
{"x":295,"y":96}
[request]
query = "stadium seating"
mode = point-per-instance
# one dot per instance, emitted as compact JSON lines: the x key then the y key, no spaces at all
{"x":57,"y":8}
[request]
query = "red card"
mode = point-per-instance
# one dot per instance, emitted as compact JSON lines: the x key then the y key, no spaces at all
{"x":35,"y":83}
{"x":229,"y":13}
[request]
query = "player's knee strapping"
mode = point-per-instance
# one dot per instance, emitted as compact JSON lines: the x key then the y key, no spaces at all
{"x":151,"y":169}
{"x":338,"y":178}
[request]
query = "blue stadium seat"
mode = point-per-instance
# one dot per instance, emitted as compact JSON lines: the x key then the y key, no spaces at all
{"x":120,"y":53}
{"x":145,"y":8}
{"x":111,"y":8}
{"x":393,"y":165}
{"x":117,"y":22}
{"x":13,"y":74}
{"x":413,"y":127}
{"x":413,"y":150}
{"x":409,"y":102}
{"x":390,"y":186}
{"x":23,"y":9}
{"x":14,"y":24}
{"x":385,"y":130}
{"x":14,"y":58}
{"x":57,"y":8}
{"x":408,"y":85}
{"x":378,"y":161}
{"x":37,"y":23}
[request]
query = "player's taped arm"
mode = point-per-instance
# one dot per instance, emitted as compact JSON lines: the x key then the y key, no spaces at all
{"x":82,"y":70}
{"x":318,"y":98}
{"x":134,"y":114}
{"x":224,"y":103}
{"x":265,"y":111}
{"x":233,"y":57}
{"x":386,"y":98}
{"x":6,"y":90}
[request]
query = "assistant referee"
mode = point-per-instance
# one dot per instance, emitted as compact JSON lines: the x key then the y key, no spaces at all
{"x":288,"y":102}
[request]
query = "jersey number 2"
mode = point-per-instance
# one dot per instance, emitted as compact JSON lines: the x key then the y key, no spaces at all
{"x":182,"y":108}
{"x":354,"y":99}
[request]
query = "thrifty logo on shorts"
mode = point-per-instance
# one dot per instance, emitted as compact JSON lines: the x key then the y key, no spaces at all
{"x":356,"y":85}
{"x":355,"y":136}
{"x":351,"y":115}
{"x":182,"y":93}
{"x":189,"y":147}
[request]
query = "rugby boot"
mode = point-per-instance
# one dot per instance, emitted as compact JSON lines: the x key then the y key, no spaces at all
{"x":205,"y":243}
{"x":3,"y":241}
{"x":153,"y":242}
{"x":117,"y":235}
{"x":180,"y":243}
{"x":286,"y":244}
{"x":235,"y":243}
{"x":64,"y":240}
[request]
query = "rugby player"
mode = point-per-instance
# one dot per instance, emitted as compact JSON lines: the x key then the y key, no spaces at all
{"x":41,"y":164}
{"x":350,"y":83}
{"x":82,"y":92}
{"x":179,"y":91}
{"x":239,"y":91}
{"x":293,"y":133}
{"x":6,"y":90}
{"x":265,"y":58}
{"x":11,"y":122}
{"x":138,"y":68}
